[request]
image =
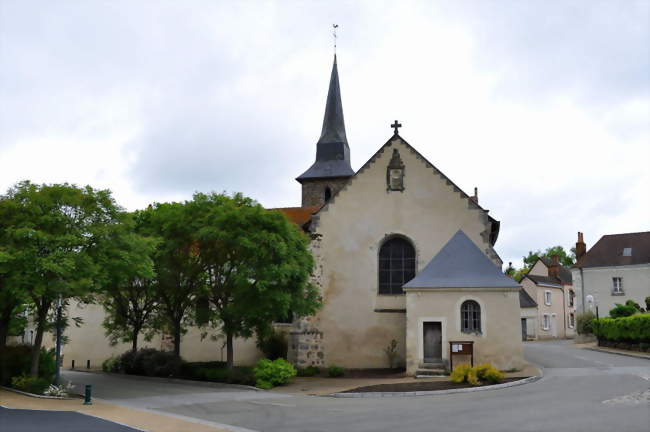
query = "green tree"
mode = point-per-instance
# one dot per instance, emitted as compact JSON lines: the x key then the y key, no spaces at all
{"x":257,"y":265}
{"x":179,"y":274}
{"x":59,"y":228}
{"x":565,"y":258}
{"x":129,"y":297}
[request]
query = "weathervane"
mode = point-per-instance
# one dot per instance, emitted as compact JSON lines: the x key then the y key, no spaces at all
{"x":335,"y":26}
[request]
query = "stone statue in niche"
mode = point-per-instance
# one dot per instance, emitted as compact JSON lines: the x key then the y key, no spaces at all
{"x":395,"y":172}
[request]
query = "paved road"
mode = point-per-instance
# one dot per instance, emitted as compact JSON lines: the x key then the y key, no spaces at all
{"x":581,"y":391}
{"x":18,"y":420}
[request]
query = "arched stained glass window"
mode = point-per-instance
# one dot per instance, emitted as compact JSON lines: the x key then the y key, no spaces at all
{"x":470,"y":317}
{"x":396,"y":265}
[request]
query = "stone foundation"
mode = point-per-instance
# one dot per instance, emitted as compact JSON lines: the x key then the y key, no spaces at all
{"x":306,"y":345}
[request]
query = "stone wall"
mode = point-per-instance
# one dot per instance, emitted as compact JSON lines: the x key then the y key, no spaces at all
{"x":306,"y":345}
{"x":313,"y":191}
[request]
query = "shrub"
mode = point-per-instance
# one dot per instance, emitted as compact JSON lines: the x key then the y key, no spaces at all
{"x":585,"y":323}
{"x":335,"y":371}
{"x":464,"y":373}
{"x":459,"y":374}
{"x":269,"y":373}
{"x":274,"y":345}
{"x":487,"y":372}
{"x":159,"y":363}
{"x":111,"y":364}
{"x":309,"y":371}
{"x":147,"y":361}
{"x":635,"y":328}
{"x":217,"y":372}
{"x":59,"y":391}
{"x":17,"y":361}
{"x":620,"y":311}
{"x":30,"y":384}
{"x":647,"y":304}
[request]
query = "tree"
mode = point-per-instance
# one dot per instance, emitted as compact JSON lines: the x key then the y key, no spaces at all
{"x":256,"y":262}
{"x":12,"y":291}
{"x":59,"y":228}
{"x":129,"y":297}
{"x":179,"y":275}
{"x":566,"y":259}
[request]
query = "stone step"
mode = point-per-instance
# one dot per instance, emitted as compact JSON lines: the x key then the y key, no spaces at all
{"x":431,"y":372}
{"x":438,"y":365}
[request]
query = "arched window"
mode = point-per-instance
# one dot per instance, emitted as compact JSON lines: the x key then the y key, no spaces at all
{"x":328,"y":194}
{"x":396,"y":265}
{"x":470,"y":317}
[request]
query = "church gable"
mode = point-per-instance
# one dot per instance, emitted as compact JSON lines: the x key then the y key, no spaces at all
{"x":400,"y":186}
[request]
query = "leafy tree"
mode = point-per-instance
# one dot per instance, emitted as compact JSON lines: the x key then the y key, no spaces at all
{"x":257,"y":265}
{"x":12,"y":291}
{"x":59,"y":227}
{"x":566,"y":259}
{"x":129,"y":297}
{"x":179,"y":274}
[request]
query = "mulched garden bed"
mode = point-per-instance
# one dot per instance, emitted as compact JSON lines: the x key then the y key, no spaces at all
{"x":371,"y":373}
{"x":419,"y":386}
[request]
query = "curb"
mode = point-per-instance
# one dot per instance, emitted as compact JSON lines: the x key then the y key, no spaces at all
{"x":438,"y":392}
{"x":639,"y":356}
{"x":24,"y":393}
{"x":172,"y":380}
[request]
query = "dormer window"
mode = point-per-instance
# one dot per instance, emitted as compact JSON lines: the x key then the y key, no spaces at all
{"x":395,"y":173}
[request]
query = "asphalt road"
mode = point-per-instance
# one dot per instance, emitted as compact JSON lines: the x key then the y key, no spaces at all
{"x":18,"y":420}
{"x":581,"y":390}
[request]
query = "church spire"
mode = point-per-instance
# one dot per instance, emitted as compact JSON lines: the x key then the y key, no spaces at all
{"x":332,"y":150}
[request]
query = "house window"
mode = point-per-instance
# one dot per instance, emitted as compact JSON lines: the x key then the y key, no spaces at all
{"x":470,"y":317}
{"x":572,"y":320}
{"x":572,"y":297}
{"x":617,"y":287}
{"x":396,"y":265}
{"x":546,"y":322}
{"x":547,"y":298}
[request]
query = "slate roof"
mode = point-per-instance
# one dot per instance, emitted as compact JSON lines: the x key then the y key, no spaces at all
{"x":608,"y":251}
{"x":461,"y":264}
{"x":546,"y":280}
{"x":332,"y":150}
{"x":564,"y":273}
{"x":525,"y":300}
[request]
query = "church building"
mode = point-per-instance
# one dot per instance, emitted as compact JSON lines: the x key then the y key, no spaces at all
{"x":402,"y":254}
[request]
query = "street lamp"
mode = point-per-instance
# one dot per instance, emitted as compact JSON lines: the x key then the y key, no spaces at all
{"x":57,"y":375}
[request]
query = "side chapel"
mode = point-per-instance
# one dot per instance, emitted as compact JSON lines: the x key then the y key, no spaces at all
{"x":401,"y":253}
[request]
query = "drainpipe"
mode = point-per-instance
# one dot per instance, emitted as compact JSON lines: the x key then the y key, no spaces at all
{"x":582,"y":289}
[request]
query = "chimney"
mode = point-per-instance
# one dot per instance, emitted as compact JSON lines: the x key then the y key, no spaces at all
{"x":554,"y":268}
{"x":581,"y":247}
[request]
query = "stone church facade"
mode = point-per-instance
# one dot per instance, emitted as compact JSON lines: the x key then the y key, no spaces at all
{"x":374,"y":230}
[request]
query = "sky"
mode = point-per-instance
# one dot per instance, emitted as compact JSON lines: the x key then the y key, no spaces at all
{"x":542,"y":105}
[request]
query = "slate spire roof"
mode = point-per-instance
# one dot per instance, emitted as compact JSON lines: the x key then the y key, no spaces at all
{"x":461,"y":264}
{"x":332,"y":150}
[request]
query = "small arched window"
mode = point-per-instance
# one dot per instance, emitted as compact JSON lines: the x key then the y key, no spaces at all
{"x":470,"y":317}
{"x":328,"y":194}
{"x":396,"y":265}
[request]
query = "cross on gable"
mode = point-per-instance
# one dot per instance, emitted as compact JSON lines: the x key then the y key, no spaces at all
{"x":396,"y":126}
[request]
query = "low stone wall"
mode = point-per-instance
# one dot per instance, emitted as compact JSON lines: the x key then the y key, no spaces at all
{"x":306,"y":345}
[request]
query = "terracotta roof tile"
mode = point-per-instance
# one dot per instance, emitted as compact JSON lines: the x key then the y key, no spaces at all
{"x":299,"y":215}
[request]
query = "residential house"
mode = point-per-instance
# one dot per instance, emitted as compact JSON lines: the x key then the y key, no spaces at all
{"x":614,"y":270}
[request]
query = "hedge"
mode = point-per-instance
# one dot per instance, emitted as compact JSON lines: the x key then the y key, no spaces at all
{"x":635,"y":328}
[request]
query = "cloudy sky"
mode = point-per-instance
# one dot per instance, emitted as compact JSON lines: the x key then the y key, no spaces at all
{"x":543,"y":105}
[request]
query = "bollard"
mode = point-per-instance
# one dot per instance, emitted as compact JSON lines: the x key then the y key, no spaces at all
{"x":88,"y":395}
{"x":87,"y":364}
{"x":72,"y":364}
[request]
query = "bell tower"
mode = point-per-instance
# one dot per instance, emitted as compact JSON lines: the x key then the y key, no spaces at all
{"x":332,"y":169}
